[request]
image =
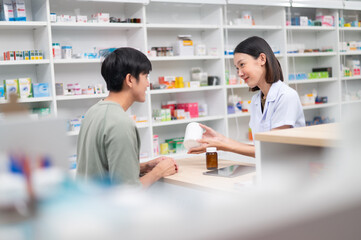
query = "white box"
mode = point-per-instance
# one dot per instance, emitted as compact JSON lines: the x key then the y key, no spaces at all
{"x":6,"y":11}
{"x":101,"y":17}
{"x":19,"y":10}
{"x":184,"y":47}
{"x":303,"y":21}
{"x":82,"y":19}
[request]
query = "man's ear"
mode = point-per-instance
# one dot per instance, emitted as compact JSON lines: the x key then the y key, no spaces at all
{"x":129,"y":80}
{"x":262,"y":59}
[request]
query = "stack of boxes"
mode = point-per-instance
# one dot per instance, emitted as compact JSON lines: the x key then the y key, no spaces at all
{"x":24,"y":88}
{"x":12,"y":10}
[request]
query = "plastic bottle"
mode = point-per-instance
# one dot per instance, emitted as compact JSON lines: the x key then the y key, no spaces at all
{"x":212,"y":158}
{"x":56,"y":51}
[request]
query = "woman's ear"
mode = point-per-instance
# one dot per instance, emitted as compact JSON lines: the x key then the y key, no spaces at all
{"x":262,"y":59}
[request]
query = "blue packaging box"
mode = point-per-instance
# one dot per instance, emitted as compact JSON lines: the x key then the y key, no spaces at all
{"x":41,"y":90}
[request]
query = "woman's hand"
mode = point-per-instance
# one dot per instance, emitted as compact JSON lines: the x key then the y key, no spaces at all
{"x":210,"y":138}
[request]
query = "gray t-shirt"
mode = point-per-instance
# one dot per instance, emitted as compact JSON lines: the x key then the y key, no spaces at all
{"x":108,"y":145}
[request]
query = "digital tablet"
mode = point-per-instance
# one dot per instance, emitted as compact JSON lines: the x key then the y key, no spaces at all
{"x":231,"y":171}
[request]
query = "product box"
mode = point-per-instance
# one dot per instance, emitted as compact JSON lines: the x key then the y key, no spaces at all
{"x":41,"y":90}
{"x":59,"y":89}
{"x":19,"y":10}
{"x":19,"y":55}
{"x":32,"y":55}
{"x":25,"y":88}
{"x":324,"y":69}
{"x":6,"y":10}
{"x":101,"y":17}
{"x":26,"y":55}
{"x":326,"y":20}
{"x":192,"y":108}
{"x":303,"y":21}
{"x":53,"y":17}
{"x":184,"y":46}
{"x":2,"y":92}
{"x":82,"y":19}
{"x":11,"y":86}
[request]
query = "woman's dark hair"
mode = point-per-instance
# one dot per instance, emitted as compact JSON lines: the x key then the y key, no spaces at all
{"x":254,"y":46}
{"x":119,"y":63}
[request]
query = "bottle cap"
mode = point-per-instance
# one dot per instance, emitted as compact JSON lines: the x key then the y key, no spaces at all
{"x":211,"y":149}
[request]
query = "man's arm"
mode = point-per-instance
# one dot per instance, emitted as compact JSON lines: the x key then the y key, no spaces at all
{"x":165,"y":167}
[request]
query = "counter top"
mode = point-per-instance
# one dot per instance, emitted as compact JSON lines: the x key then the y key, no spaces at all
{"x":191,"y":170}
{"x":323,"y":135}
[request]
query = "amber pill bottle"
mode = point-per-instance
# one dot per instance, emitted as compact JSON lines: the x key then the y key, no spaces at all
{"x":212,"y":158}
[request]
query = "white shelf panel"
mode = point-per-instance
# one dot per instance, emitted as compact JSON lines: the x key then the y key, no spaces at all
{"x":239,"y":114}
{"x":71,"y":61}
{"x":317,"y":4}
{"x":350,"y":28}
{"x":318,"y":106}
{"x":175,"y":122}
{"x":358,"y":52}
{"x":95,"y":26}
{"x":237,"y":86}
{"x":313,"y":54}
{"x":231,"y":56}
{"x":310,"y":28}
{"x":283,"y":3}
{"x":118,"y":1}
{"x":24,"y":62}
{"x":30,"y":100}
{"x":178,"y":90}
{"x":192,"y":1}
{"x":22,"y":25}
{"x":352,"y":5}
{"x":253,"y":27}
{"x":312,"y":81}
{"x":351,"y":78}
{"x":181,"y":26}
{"x":79,"y":97}
{"x":181,"y":58}
{"x":72,"y":133}
{"x":351,"y":102}
{"x":142,"y":125}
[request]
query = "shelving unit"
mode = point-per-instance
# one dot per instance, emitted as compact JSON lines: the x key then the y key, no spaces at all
{"x":210,"y":22}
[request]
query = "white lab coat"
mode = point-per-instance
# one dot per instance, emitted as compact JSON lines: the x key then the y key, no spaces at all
{"x":282,"y":107}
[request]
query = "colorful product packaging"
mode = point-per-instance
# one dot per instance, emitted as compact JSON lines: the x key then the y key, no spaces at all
{"x":25,"y":88}
{"x":41,"y":90}
{"x":2,"y":92}
{"x":11,"y":86}
{"x":19,"y":10}
{"x":6,"y":11}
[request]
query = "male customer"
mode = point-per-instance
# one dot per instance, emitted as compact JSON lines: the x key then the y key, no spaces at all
{"x":108,"y":143}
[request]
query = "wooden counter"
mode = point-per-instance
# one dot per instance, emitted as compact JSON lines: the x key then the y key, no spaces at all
{"x":191,"y":170}
{"x":323,"y":135}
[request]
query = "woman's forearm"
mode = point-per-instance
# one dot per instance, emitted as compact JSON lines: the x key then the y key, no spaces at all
{"x":231,"y":145}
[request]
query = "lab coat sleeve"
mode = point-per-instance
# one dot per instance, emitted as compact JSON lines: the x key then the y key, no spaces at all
{"x":287,"y":111}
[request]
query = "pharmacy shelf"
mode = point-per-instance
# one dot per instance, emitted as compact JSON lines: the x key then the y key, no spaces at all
{"x":280,"y":3}
{"x":22,"y":25}
{"x":350,"y":28}
{"x":181,"y":26}
{"x":95,"y":26}
{"x":253,"y":27}
{"x":328,"y":4}
{"x":320,"y":80}
{"x":313,"y":54}
{"x":318,"y":106}
{"x":139,"y":125}
{"x":72,"y":61}
{"x":231,"y":56}
{"x":356,"y":52}
{"x":179,"y":90}
{"x":310,"y":28}
{"x":239,"y":114}
{"x":351,"y":102}
{"x":30,"y":100}
{"x":80,"y":97}
{"x":237,"y":86}
{"x":351,"y":78}
{"x":183,"y":121}
{"x":182,"y":58}
{"x":24,"y":62}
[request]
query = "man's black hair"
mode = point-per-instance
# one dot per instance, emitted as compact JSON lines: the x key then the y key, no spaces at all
{"x":121,"y":62}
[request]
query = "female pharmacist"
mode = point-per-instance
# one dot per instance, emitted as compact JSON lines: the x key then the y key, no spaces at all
{"x":275,"y":106}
